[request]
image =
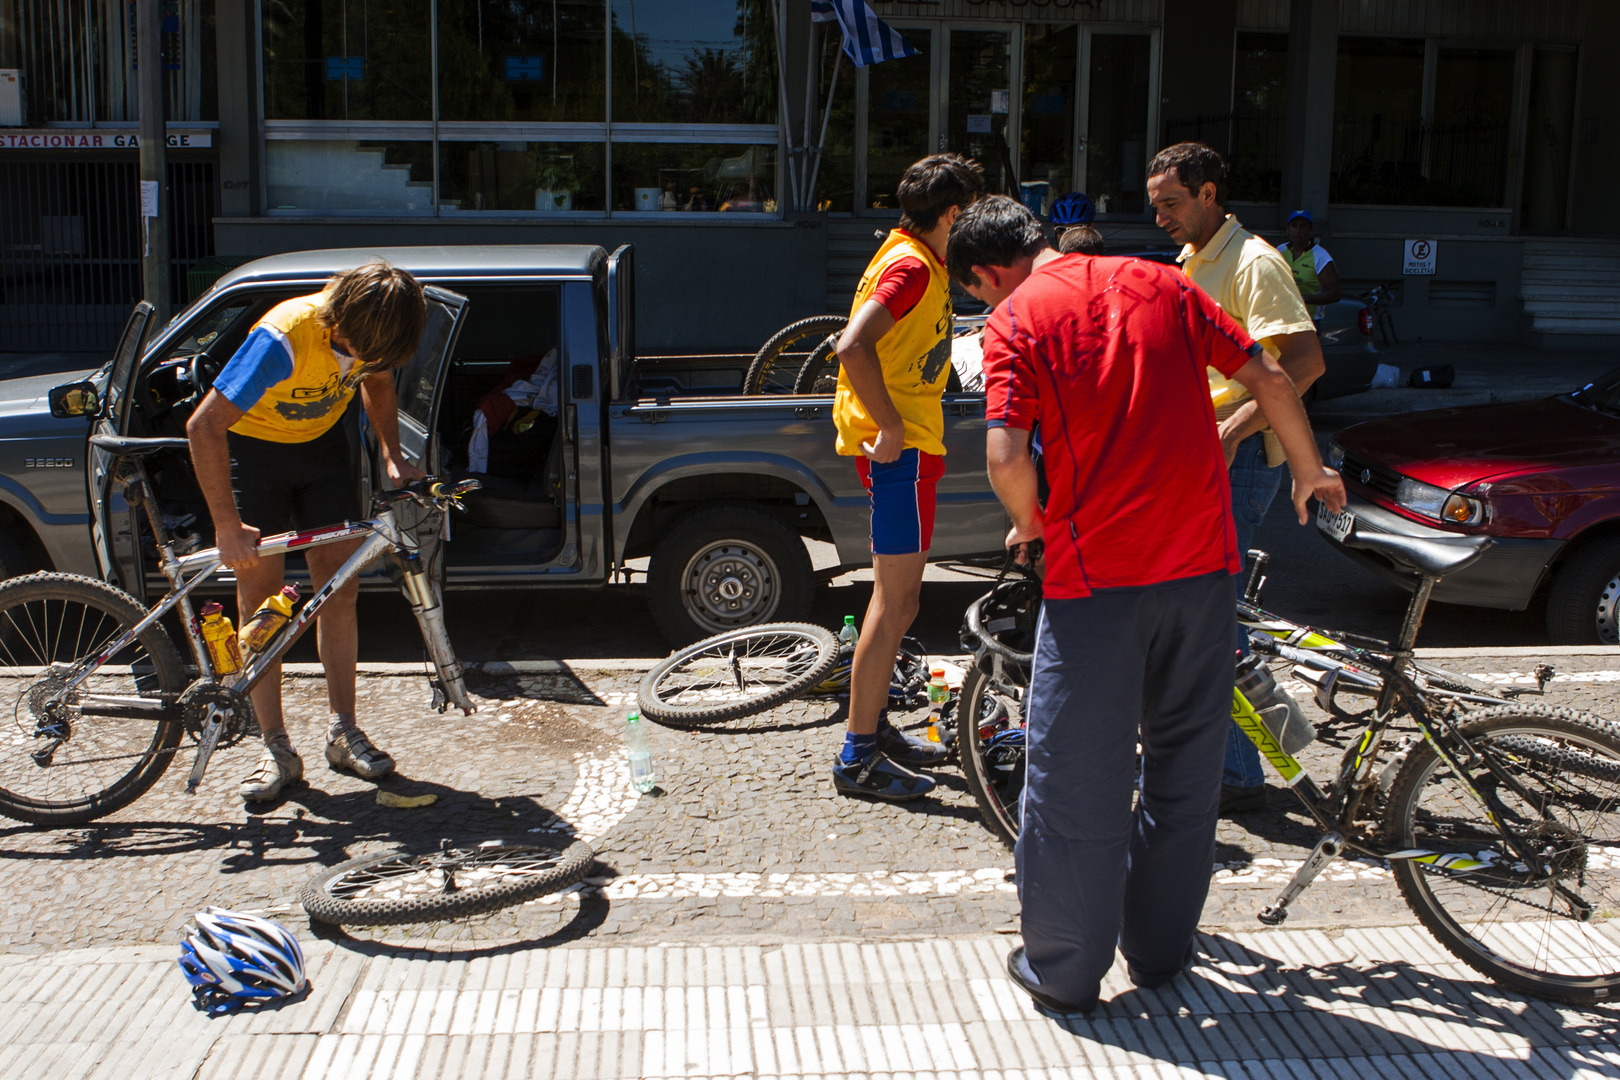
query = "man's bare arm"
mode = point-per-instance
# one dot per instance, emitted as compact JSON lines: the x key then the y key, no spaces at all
{"x":211,"y":458}
{"x":1331,"y":289}
{"x":382,"y":407}
{"x":1013,"y":476}
{"x":1280,"y":407}
{"x":857,"y":354}
{"x":1301,"y":361}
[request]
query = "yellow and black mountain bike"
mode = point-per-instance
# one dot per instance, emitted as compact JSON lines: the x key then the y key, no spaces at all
{"x":1499,"y":818}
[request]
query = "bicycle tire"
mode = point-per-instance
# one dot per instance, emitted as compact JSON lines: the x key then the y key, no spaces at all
{"x":994,"y":773}
{"x":28,"y":607}
{"x":1550,"y":751}
{"x":786,"y":660}
{"x":348,"y":894}
{"x":768,"y":373}
{"x":819,"y":373}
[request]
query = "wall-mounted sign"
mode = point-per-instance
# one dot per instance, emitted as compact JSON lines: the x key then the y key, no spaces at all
{"x":1419,"y":257}
{"x":978,"y":123}
{"x":80,"y":139}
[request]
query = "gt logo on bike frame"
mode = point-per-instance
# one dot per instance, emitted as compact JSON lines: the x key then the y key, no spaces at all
{"x":1249,"y":722}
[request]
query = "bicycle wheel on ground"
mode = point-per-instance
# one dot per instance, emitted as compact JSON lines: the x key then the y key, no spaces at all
{"x":1551,"y":930}
{"x":990,"y":741}
{"x":452,"y":883}
{"x":776,"y":366}
{"x":737,"y":674}
{"x":58,"y":766}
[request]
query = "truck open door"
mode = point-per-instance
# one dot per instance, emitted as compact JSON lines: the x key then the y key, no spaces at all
{"x":113,"y":531}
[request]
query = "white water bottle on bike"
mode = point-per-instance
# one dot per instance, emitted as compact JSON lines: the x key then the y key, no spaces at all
{"x":1277,"y":709}
{"x":640,"y":752}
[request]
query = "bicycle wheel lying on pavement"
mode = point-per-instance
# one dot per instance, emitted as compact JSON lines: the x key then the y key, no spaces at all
{"x":737,"y":673}
{"x":452,"y":883}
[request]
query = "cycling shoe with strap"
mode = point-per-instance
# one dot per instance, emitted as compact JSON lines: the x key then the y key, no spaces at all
{"x":879,"y":778}
{"x":897,"y":746}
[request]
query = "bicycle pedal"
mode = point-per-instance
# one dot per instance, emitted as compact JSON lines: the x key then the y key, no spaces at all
{"x":1273,"y":914}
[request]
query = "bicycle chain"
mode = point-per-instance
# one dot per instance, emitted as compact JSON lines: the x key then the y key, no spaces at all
{"x":1504,"y":894}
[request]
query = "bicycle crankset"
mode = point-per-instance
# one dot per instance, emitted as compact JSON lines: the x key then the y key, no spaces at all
{"x":202,"y":696}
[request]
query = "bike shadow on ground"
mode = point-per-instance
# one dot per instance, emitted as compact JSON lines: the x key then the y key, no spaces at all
{"x":1239,"y":996}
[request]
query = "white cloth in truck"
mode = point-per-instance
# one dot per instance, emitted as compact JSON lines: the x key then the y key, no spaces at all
{"x":536,"y":392}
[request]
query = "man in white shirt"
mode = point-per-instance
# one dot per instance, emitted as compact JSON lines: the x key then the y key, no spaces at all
{"x":1314,"y":269}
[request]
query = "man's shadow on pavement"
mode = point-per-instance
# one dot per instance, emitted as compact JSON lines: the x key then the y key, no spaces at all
{"x":1258,"y":999}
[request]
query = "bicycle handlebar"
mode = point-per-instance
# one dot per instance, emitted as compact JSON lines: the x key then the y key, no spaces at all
{"x":430,"y":490}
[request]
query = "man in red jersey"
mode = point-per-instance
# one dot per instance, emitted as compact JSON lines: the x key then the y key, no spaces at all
{"x":1134,"y":645}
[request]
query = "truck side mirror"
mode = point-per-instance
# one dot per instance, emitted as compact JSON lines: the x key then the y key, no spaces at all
{"x":74,"y":399}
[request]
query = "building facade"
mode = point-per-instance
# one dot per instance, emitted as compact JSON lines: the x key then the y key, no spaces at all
{"x":751,"y":164}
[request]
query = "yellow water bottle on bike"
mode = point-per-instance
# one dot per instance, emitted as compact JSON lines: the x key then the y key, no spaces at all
{"x":219,"y":638}
{"x":261,"y":628}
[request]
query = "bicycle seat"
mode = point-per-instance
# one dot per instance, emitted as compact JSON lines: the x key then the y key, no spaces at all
{"x":129,"y":446}
{"x":1429,"y":558}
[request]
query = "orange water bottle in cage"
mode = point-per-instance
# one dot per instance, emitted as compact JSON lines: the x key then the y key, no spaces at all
{"x":219,"y":638}
{"x":263,"y":625}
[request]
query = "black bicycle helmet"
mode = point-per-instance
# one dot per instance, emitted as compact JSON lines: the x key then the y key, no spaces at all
{"x":1002,"y":623}
{"x":1072,"y":209}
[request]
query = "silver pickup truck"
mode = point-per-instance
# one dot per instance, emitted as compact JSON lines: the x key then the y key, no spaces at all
{"x":663,"y":459}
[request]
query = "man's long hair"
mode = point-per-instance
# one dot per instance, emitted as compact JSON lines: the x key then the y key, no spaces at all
{"x":379,"y":310}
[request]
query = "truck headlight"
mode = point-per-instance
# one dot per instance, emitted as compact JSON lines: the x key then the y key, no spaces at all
{"x":1437,"y":503}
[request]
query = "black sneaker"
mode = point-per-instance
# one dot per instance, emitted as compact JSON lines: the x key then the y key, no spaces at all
{"x":880,"y":778}
{"x":1242,"y":800}
{"x":896,"y":745}
{"x":1019,"y":971}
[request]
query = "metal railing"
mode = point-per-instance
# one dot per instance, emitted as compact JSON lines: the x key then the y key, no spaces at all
{"x":71,"y":243}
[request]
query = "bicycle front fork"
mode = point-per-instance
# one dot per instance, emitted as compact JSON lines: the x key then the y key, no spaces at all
{"x":449,"y":688}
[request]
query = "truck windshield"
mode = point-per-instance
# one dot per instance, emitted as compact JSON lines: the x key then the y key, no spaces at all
{"x":1601,"y":393}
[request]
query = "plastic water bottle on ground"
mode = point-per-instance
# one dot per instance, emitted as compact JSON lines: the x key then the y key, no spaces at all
{"x":849,"y":634}
{"x":640,"y":752}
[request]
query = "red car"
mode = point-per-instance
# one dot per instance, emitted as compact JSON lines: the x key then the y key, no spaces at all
{"x":1542,"y":478}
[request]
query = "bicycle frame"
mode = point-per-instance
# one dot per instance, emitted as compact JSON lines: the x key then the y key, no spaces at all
{"x":185,"y":573}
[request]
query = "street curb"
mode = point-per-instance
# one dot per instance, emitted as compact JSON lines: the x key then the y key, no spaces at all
{"x":1522,"y":650}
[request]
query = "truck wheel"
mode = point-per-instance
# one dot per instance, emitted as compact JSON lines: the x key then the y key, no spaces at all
{"x":13,"y":563}
{"x":1583,"y":605}
{"x":725,"y":566}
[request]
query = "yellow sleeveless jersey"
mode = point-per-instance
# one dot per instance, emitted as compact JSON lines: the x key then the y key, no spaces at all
{"x":287,"y":379}
{"x":915,"y":354}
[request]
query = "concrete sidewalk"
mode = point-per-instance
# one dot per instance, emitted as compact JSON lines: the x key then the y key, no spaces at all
{"x":1367,"y":1002}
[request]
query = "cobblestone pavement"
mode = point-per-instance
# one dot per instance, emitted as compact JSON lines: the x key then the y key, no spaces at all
{"x":744,"y":841}
{"x":1283,"y":1003}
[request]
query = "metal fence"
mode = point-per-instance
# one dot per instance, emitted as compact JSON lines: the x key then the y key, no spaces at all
{"x":1252,"y":145}
{"x":71,"y":243}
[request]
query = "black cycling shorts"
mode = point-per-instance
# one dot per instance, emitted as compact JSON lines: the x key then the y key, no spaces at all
{"x":283,"y":486}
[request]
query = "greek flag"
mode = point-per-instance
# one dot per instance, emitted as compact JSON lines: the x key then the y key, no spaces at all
{"x":867,"y":38}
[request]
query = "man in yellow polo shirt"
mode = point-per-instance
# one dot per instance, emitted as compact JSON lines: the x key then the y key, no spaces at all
{"x":893,"y":362}
{"x":1254,"y":285}
{"x":270,"y":455}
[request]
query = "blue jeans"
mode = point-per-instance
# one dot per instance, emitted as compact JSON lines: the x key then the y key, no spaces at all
{"x":1254,"y":485}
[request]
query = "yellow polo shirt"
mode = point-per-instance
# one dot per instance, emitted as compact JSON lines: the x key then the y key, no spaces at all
{"x":1252,"y":283}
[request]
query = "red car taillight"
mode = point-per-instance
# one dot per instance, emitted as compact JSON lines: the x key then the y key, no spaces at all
{"x":1364,"y":320}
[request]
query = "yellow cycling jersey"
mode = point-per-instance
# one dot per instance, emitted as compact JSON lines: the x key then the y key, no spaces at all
{"x":289,"y":380}
{"x":915,"y":354}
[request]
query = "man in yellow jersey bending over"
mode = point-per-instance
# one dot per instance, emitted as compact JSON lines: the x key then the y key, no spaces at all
{"x":271,"y":455}
{"x":893,"y":360}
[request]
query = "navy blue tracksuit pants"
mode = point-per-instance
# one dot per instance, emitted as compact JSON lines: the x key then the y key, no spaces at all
{"x":1156,"y":663}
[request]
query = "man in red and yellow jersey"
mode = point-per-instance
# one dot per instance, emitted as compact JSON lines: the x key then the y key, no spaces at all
{"x":270,"y":455}
{"x":894,"y":359}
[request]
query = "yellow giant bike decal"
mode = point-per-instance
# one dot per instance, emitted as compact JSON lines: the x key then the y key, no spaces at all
{"x":1244,"y":716}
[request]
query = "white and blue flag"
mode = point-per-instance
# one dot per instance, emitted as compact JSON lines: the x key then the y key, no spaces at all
{"x":867,"y":38}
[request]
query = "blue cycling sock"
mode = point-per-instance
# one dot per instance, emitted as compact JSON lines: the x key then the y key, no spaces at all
{"x":857,"y":748}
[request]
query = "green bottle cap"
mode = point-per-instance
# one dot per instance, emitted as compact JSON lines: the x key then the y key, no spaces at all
{"x":849,"y":620}
{"x":633,"y":718}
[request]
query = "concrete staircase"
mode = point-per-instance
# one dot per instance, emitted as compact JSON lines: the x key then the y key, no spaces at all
{"x":850,"y":244}
{"x":1572,"y":286}
{"x":342,"y":175}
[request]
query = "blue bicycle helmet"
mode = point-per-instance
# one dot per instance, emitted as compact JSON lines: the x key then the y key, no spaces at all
{"x":1072,"y":209}
{"x":230,"y":958}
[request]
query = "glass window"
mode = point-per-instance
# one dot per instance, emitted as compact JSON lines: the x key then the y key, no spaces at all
{"x":898,"y":126}
{"x":537,"y":60}
{"x":694,"y":62}
{"x":1467,"y":147}
{"x":1116,"y":124}
{"x":835,"y":179}
{"x":654,"y":177}
{"x":976,"y":117}
{"x":1259,"y":89}
{"x":347,"y":61}
{"x":1050,"y":55}
{"x":547,"y":176}
{"x":1548,"y":139}
{"x":1377,"y":122}
{"x":349,"y":174}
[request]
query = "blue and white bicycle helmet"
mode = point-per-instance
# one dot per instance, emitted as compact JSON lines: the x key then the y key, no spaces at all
{"x":230,"y":958}
{"x":1072,"y":209}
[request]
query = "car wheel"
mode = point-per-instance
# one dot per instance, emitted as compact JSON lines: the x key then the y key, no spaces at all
{"x":13,"y":562}
{"x":726,"y":566}
{"x":1585,"y":595}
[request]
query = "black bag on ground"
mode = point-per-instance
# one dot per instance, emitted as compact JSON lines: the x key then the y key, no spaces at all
{"x":1432,"y":378}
